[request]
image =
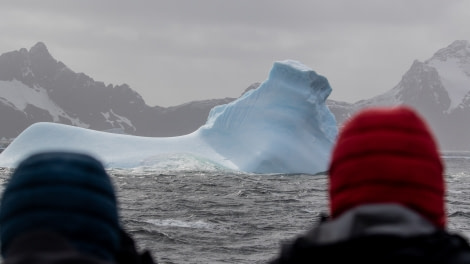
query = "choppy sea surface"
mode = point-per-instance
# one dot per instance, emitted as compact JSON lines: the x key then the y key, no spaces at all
{"x":213,"y":216}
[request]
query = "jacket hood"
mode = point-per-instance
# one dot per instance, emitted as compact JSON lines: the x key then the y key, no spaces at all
{"x":374,"y":219}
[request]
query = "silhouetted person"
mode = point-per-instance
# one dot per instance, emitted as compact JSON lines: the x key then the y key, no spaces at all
{"x":61,"y":207}
{"x":386,"y":197}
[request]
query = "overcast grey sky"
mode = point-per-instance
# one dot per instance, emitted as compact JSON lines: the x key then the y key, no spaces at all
{"x":176,"y":51}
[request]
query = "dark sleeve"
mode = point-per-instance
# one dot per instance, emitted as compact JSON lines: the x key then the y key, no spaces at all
{"x":439,"y":247}
{"x":128,"y":253}
{"x":45,"y":247}
{"x":298,"y":251}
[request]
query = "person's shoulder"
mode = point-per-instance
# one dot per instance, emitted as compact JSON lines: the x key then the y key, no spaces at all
{"x":45,"y":246}
{"x":454,"y":246}
{"x":438,"y":247}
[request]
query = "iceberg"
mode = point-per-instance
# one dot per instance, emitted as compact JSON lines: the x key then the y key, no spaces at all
{"x":283,"y":126}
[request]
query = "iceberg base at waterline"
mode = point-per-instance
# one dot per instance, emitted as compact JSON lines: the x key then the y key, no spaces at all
{"x":283,"y":126}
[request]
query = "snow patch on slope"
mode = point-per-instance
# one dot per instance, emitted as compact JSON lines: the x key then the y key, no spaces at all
{"x":454,"y":77}
{"x":19,"y":95}
{"x":115,"y":119}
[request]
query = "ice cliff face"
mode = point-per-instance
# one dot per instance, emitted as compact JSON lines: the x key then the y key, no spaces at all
{"x":283,"y":126}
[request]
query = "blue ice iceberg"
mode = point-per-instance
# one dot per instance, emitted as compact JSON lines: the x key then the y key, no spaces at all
{"x":283,"y":126}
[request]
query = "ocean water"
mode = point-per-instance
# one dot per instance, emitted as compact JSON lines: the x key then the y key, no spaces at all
{"x":185,"y":215}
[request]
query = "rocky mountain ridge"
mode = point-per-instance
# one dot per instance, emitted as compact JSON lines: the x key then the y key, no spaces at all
{"x":35,"y":87}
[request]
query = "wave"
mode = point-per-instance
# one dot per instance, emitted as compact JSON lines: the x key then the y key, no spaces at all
{"x":455,"y":154}
{"x":175,"y":163}
{"x":180,"y":223}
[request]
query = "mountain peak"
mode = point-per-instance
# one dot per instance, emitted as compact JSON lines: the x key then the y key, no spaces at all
{"x":39,"y":47}
{"x":459,"y":49}
{"x":460,"y":44}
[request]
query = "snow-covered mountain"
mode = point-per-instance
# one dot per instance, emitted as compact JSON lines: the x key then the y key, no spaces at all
{"x":443,"y":81}
{"x":439,"y":88}
{"x":36,"y":87}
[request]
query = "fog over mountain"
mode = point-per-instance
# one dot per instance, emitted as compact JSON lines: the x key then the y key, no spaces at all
{"x":35,"y":87}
